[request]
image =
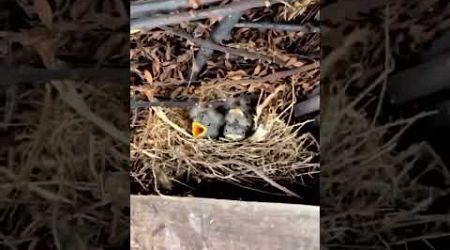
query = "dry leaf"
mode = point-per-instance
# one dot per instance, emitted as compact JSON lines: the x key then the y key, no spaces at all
{"x":228,"y":65}
{"x":107,"y":48}
{"x":194,"y":3}
{"x":237,"y":73}
{"x":298,"y":64}
{"x":132,"y":32}
{"x":183,"y":58}
{"x":80,"y":8}
{"x":46,"y":50}
{"x":257,"y":70}
{"x":44,"y":11}
{"x":148,"y":76}
{"x":291,"y":61}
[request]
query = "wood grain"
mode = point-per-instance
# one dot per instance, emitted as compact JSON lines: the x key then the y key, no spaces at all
{"x":199,"y":223}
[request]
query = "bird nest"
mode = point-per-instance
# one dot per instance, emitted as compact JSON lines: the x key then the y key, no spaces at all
{"x":278,"y":65}
{"x":275,"y":153}
{"x":374,"y":194}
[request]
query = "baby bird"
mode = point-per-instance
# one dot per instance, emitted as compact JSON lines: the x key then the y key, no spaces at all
{"x":238,"y":119}
{"x":207,"y":122}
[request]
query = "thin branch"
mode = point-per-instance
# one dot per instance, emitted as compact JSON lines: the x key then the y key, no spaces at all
{"x":69,"y":95}
{"x":261,"y":175}
{"x":211,"y":45}
{"x":308,"y":106}
{"x":187,"y":103}
{"x":220,"y":33}
{"x":166,"y":103}
{"x":30,"y":74}
{"x":274,"y":76}
{"x":11,"y":104}
{"x":282,"y":74}
{"x":305,"y":28}
{"x":420,"y":81}
{"x":143,"y":8}
{"x":163,"y":20}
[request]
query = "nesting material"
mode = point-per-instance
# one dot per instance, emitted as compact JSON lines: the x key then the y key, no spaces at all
{"x":373,"y":193}
{"x":274,"y":152}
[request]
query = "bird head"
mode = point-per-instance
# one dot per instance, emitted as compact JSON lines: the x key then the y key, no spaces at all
{"x":198,"y":129}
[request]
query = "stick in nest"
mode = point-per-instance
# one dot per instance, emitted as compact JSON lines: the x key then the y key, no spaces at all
{"x":233,"y":51}
{"x":274,"y":76}
{"x":220,"y":33}
{"x":262,"y":176}
{"x":266,"y":103}
{"x":163,"y":20}
{"x":161,"y":115}
{"x":305,"y":28}
{"x":141,"y":9}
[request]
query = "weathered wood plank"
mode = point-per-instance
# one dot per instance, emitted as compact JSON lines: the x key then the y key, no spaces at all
{"x":198,"y":223}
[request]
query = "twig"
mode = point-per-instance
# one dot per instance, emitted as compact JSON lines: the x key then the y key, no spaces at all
{"x":266,"y":102}
{"x":211,"y":45}
{"x":308,"y":106}
{"x":163,"y":20}
{"x":69,"y":94}
{"x":164,"y":102}
{"x":161,"y":115}
{"x":144,"y":152}
{"x":142,"y":8}
{"x":186,"y":103}
{"x":274,"y":76}
{"x":10,"y":105}
{"x":220,"y":33}
{"x":286,"y":73}
{"x":306,"y":28}
{"x":168,"y":104}
{"x":387,"y":60}
{"x":420,"y":81}
{"x":30,"y":74}
{"x":261,"y":175}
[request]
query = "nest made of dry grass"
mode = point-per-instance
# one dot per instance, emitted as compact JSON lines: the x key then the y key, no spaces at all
{"x":372,"y":195}
{"x":164,"y":153}
{"x":274,"y":152}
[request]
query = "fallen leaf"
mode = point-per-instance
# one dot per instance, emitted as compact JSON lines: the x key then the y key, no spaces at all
{"x":291,"y":61}
{"x":148,"y":76}
{"x":298,"y":64}
{"x":183,"y":58}
{"x":80,"y":8}
{"x":45,"y":12}
{"x":237,"y":73}
{"x":46,"y":50}
{"x":107,"y":48}
{"x":257,"y":70}
{"x":194,"y":4}
{"x":228,"y":65}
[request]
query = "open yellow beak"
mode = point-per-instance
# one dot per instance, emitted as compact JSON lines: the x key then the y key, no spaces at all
{"x":198,"y":130}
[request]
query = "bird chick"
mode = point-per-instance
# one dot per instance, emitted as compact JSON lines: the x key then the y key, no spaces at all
{"x":238,"y":119}
{"x":207,"y":122}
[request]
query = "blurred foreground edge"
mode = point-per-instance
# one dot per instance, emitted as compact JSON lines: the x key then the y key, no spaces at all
{"x":198,"y":223}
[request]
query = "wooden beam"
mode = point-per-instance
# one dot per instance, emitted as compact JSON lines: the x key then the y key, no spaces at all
{"x":199,"y":223}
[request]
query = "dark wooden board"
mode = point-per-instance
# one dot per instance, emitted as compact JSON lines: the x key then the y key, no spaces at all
{"x":199,"y":223}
